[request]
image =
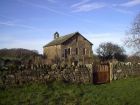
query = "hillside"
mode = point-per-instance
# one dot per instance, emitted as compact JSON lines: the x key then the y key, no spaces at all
{"x":17,"y":53}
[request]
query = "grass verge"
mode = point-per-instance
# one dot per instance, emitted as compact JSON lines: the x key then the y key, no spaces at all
{"x":121,"y":92}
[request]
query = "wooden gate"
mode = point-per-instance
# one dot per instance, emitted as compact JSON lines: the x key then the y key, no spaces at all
{"x":101,"y":74}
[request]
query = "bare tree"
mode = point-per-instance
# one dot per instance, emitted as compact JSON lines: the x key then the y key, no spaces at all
{"x":133,"y":35}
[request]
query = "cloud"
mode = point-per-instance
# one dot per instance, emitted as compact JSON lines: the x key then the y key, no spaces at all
{"x":11,"y":22}
{"x":80,"y":3}
{"x":87,"y":5}
{"x":131,"y":3}
{"x":19,"y":25}
{"x":43,"y":7}
{"x":8,"y":23}
{"x":56,"y":11}
{"x":52,"y":1}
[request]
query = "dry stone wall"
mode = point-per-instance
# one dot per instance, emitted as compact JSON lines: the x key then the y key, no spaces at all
{"x":18,"y":75}
{"x":13,"y":75}
{"x":124,"y":70}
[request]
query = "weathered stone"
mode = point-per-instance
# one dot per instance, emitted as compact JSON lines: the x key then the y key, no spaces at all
{"x":54,"y":66}
{"x":39,"y":73}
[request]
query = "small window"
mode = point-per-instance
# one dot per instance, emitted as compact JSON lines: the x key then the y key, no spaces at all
{"x":76,"y":51}
{"x":84,"y":51}
{"x":69,"y":51}
{"x":65,"y":53}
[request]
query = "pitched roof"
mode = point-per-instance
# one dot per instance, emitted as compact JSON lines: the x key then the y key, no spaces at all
{"x":62,"y":39}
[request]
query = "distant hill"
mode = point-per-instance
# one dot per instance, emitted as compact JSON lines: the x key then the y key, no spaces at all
{"x":17,"y":53}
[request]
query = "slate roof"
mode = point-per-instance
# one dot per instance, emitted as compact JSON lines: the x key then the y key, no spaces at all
{"x":62,"y":39}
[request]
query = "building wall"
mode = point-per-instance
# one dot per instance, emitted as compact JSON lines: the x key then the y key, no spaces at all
{"x":52,"y":53}
{"x":80,"y":43}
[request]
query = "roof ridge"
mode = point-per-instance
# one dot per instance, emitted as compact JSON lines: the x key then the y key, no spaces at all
{"x":71,"y":33}
{"x":60,"y":40}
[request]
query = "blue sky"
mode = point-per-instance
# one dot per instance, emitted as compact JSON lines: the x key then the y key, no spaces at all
{"x":31,"y":23}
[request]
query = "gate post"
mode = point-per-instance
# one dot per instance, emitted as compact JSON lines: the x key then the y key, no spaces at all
{"x":110,"y":71}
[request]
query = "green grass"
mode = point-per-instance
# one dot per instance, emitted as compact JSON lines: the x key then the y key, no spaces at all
{"x":121,"y":92}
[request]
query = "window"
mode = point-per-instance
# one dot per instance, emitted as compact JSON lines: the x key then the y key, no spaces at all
{"x":76,"y":51}
{"x":65,"y":53}
{"x":84,"y":51}
{"x":69,"y":51}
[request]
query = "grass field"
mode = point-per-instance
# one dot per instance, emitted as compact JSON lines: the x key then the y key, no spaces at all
{"x":121,"y":92}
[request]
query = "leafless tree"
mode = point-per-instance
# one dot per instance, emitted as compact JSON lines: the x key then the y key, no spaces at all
{"x":133,"y":35}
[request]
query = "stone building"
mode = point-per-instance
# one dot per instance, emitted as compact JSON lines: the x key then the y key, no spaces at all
{"x":71,"y":48}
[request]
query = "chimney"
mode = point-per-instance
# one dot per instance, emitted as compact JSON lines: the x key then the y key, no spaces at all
{"x":56,"y":35}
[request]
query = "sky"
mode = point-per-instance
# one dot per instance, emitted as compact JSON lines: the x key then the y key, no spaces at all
{"x":30,"y":24}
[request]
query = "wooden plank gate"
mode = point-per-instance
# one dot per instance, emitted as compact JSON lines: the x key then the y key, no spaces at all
{"x":102,"y":73}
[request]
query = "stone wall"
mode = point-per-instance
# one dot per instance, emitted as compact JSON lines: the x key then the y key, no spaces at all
{"x":124,"y":70}
{"x":18,"y":75}
{"x":13,"y":75}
